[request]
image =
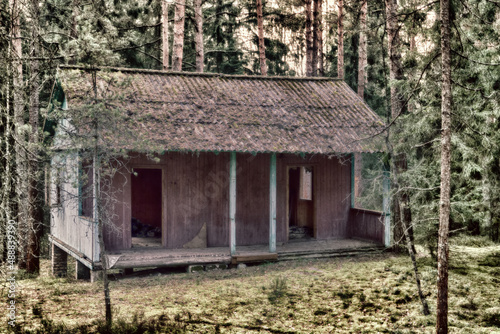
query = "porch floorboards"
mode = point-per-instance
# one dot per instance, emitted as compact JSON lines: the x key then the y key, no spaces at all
{"x":160,"y":257}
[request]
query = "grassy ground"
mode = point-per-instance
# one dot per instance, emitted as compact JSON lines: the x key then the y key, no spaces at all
{"x":345,"y":295}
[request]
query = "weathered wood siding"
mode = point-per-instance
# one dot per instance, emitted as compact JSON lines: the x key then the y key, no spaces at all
{"x":252,"y":199}
{"x":196,"y":192}
{"x":366,"y":224}
{"x":66,"y":224}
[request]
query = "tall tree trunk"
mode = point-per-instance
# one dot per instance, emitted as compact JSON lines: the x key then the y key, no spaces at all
{"x":362,"y":54}
{"x":396,"y":74}
{"x":34,"y":200}
{"x":321,"y":66}
{"x":309,"y":38}
{"x":179,"y":18}
{"x":19,"y":133}
{"x":6,"y":200}
{"x":262,"y":48}
{"x":340,"y":46}
{"x":315,"y":44}
{"x":444,"y":201}
{"x":198,"y":39}
{"x":164,"y":34}
{"x":99,"y":212}
{"x":74,"y":26}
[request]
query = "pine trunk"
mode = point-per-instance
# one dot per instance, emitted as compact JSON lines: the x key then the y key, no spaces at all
{"x":309,"y":38}
{"x":34,"y":200}
{"x":362,"y":54}
{"x":444,"y":202}
{"x":179,"y":18}
{"x":262,"y":48}
{"x":358,"y":160}
{"x":395,"y":74}
{"x":321,"y":65}
{"x":340,"y":47}
{"x":164,"y":34}
{"x":198,"y":39}
{"x":315,"y":44}
{"x":19,"y":135}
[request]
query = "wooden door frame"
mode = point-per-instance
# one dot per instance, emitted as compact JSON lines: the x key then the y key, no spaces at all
{"x":287,"y":204}
{"x":163,"y":198}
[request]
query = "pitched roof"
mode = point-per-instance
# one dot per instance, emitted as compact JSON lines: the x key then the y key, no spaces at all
{"x":214,"y":112}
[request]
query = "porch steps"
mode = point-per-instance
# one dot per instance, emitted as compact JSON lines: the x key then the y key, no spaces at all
{"x":317,"y":254}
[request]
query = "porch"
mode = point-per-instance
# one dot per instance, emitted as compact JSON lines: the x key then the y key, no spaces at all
{"x":142,"y":257}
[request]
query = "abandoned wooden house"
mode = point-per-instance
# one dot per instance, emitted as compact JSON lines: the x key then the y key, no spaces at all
{"x":218,"y":170}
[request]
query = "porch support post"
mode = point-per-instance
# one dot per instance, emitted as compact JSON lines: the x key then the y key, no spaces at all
{"x":352,"y":181}
{"x":232,"y":203}
{"x":387,"y":207}
{"x":272,"y":205}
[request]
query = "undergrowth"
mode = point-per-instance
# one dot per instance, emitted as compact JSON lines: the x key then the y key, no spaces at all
{"x":369,"y":294}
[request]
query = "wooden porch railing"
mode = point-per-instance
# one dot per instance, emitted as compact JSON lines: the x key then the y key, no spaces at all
{"x":366,"y":224}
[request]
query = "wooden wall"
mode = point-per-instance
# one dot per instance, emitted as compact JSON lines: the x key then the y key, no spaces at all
{"x":366,"y":224}
{"x":196,"y":192}
{"x":252,"y":199}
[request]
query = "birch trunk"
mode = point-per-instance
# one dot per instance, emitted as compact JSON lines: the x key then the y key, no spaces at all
{"x":340,"y":46}
{"x":179,"y":18}
{"x":444,"y":202}
{"x":198,"y":40}
{"x":262,"y":48}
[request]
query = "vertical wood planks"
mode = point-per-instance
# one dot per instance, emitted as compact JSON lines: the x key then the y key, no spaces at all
{"x":232,"y":203}
{"x":272,"y":205}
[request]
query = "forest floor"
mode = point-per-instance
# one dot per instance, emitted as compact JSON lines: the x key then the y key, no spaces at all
{"x":364,"y":294}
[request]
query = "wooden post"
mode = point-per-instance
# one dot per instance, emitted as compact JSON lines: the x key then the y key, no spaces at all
{"x":232,"y":203}
{"x":387,"y":208}
{"x":353,"y":176}
{"x":272,"y":205}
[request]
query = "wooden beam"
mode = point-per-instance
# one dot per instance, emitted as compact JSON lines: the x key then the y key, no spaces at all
{"x":232,"y":203}
{"x":249,"y":258}
{"x":272,"y":205}
{"x":352,"y":181}
{"x":387,"y":208}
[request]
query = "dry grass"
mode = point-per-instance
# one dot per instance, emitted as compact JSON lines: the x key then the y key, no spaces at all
{"x":344,"y":295}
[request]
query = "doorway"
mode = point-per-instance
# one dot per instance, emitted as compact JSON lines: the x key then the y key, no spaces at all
{"x":300,"y":203}
{"x":146,"y":221}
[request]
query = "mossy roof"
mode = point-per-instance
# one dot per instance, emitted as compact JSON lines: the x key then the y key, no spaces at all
{"x":180,"y":111}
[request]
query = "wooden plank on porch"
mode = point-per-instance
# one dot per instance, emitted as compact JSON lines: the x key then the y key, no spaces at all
{"x":254,"y":257}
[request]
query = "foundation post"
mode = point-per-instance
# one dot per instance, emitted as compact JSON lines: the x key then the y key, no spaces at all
{"x":59,"y":262}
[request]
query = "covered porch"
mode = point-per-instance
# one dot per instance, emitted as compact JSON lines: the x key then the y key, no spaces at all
{"x":143,"y":257}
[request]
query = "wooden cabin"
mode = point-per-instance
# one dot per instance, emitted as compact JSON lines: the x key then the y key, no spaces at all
{"x":215,"y":169}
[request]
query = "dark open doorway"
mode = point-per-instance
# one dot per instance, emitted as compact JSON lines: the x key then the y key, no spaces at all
{"x":146,"y":207}
{"x":300,"y":203}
